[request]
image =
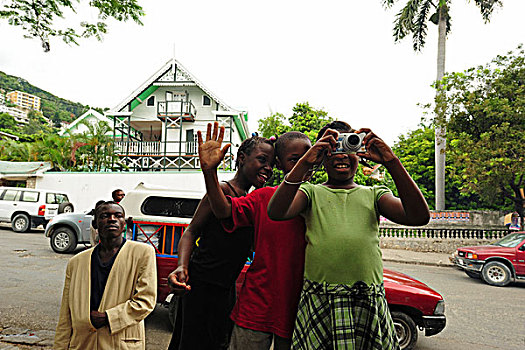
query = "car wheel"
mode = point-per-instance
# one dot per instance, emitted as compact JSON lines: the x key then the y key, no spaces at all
{"x":471,"y":274}
{"x":496,"y":274}
{"x":65,"y":207}
{"x":21,"y":223}
{"x":406,"y":330}
{"x":63,"y":240}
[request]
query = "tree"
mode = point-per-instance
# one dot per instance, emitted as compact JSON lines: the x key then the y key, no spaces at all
{"x":36,"y":124}
{"x":7,"y":121}
{"x":275,"y":124}
{"x":37,"y":18}
{"x":413,"y":19}
{"x":95,"y":147}
{"x":486,"y":117}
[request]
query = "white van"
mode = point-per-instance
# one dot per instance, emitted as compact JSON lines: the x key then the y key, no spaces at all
{"x":27,"y":208}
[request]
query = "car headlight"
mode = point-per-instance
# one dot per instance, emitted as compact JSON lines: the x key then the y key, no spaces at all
{"x":472,"y":256}
{"x":440,"y":308}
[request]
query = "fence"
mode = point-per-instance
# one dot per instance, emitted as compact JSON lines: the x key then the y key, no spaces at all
{"x":442,"y":233}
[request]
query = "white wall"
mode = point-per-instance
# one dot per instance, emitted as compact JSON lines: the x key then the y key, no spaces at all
{"x":85,"y":189}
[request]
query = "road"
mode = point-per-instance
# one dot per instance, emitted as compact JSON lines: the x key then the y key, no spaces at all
{"x":478,"y":315}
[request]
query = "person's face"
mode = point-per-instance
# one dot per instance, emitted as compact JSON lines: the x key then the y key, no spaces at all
{"x":292,"y":152}
{"x":111,"y":221}
{"x":341,"y":166}
{"x":257,"y":166}
{"x":118,"y":196}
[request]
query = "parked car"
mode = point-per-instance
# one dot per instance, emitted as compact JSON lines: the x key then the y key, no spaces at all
{"x":161,"y":215}
{"x":68,"y":230}
{"x":27,"y":208}
{"x":498,"y":263}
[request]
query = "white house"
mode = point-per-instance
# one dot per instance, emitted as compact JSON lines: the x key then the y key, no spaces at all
{"x":91,"y":116}
{"x":156,"y":125}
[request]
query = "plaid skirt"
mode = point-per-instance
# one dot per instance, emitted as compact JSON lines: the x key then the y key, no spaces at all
{"x":339,"y":316}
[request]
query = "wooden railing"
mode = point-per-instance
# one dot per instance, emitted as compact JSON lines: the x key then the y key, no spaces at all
{"x":442,"y":233}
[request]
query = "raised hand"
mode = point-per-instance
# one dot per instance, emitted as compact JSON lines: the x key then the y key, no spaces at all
{"x":322,"y":147}
{"x":376,"y":149}
{"x":210,"y":152}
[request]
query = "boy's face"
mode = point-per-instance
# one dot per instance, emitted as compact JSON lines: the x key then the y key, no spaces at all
{"x":293,"y":151}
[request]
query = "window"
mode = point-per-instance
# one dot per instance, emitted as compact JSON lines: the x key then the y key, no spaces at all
{"x":29,"y":196}
{"x":168,"y":206}
{"x":56,"y":198}
{"x":151,"y":101}
{"x":10,"y":195}
{"x":206,"y":101}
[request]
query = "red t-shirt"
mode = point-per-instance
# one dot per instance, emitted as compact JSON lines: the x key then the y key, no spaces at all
{"x":270,"y":293}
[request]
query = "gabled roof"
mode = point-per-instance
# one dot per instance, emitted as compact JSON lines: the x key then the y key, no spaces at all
{"x":164,"y":76}
{"x":90,"y":112}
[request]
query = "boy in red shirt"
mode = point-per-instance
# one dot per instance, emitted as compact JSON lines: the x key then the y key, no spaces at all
{"x":267,"y":303}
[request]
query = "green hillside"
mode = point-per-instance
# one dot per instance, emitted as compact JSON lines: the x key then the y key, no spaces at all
{"x":53,"y":107}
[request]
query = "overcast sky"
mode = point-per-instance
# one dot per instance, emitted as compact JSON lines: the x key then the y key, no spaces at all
{"x":265,"y":57}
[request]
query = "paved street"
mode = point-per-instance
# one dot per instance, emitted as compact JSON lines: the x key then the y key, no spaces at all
{"x":478,"y":316}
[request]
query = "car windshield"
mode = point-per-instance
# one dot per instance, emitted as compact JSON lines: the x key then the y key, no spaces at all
{"x":511,"y":240}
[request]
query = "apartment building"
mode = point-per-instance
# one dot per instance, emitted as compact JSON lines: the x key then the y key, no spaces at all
{"x":24,"y":100}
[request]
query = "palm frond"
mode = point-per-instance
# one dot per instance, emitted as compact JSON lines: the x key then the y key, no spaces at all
{"x":404,"y":22}
{"x":486,"y":7}
{"x":420,"y":26}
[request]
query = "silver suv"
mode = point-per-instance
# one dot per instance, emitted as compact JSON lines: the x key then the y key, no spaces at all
{"x":27,"y":208}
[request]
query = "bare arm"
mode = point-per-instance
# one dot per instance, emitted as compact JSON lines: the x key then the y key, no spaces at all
{"x":287,"y":202}
{"x":210,"y":156}
{"x":411,"y":207}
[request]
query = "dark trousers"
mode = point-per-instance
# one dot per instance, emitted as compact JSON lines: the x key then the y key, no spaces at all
{"x":203,"y":318}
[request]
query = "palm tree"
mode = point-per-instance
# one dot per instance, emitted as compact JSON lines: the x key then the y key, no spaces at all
{"x":413,"y":19}
{"x":98,"y":151}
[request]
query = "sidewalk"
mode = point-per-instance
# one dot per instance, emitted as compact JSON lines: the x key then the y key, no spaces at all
{"x":420,"y":258}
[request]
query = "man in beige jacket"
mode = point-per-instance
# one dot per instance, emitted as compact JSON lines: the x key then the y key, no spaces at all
{"x":109,"y":289}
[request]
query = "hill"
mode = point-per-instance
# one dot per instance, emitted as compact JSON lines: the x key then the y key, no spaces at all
{"x":53,"y":107}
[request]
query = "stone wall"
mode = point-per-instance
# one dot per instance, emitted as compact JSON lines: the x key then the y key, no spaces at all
{"x":429,"y":245}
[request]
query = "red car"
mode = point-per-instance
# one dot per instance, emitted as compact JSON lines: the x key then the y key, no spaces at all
{"x":498,"y":263}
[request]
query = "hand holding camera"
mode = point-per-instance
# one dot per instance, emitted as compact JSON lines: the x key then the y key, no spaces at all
{"x":374,"y":148}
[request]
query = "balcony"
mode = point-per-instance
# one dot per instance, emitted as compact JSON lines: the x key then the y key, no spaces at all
{"x":175,"y":109}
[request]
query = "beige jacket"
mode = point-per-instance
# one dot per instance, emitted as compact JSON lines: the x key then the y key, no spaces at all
{"x":130,"y":295}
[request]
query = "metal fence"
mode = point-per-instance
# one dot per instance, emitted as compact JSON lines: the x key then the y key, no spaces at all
{"x":442,"y":233}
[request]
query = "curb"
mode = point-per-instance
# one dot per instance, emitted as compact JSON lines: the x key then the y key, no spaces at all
{"x":414,"y":262}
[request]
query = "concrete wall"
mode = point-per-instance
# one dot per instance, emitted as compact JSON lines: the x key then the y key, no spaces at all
{"x":483,"y":219}
{"x":85,"y":189}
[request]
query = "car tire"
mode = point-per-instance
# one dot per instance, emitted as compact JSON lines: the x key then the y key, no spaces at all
{"x":65,"y":207}
{"x":63,"y":240}
{"x":496,"y":274}
{"x":406,"y":330}
{"x":475,"y":275}
{"x":21,"y":223}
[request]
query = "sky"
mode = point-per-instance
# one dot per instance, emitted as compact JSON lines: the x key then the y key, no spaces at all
{"x":265,"y":57}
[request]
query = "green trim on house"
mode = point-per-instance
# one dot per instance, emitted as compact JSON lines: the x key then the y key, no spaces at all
{"x":238,"y":124}
{"x":143,"y":96}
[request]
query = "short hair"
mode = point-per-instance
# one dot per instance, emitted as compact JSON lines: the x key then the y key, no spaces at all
{"x":98,"y":208}
{"x":115,"y":192}
{"x":336,"y":125}
{"x":248,"y":145}
{"x":284,"y":139}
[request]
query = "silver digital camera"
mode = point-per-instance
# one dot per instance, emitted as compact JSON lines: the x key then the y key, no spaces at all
{"x":349,"y":142}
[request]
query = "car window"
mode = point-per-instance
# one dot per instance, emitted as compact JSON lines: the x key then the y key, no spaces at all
{"x":511,"y":240}
{"x":50,"y":198}
{"x":29,"y":196}
{"x":61,"y":198}
{"x":165,"y":238}
{"x":10,"y":195}
{"x":169,"y":206}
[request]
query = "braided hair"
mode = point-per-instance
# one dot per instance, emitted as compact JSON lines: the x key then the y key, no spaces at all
{"x":248,"y":145}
